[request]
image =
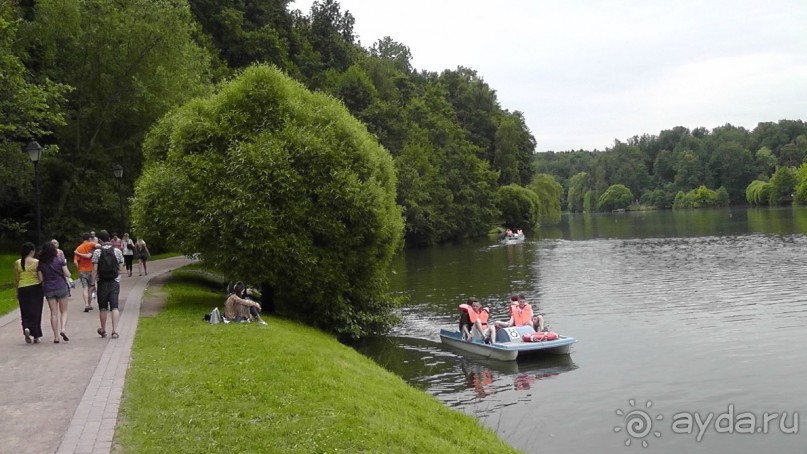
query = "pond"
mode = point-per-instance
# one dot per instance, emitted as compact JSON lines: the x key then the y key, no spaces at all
{"x":690,"y":327}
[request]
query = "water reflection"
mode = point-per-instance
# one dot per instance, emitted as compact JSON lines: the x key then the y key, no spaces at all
{"x":456,"y":379}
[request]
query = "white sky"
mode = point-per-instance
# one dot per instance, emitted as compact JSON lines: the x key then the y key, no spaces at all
{"x":587,"y":72}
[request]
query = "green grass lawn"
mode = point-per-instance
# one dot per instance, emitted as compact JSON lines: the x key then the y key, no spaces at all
{"x":8,"y":295}
{"x":285,"y":388}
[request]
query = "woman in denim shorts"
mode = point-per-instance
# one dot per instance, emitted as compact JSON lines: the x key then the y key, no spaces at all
{"x":53,"y":274}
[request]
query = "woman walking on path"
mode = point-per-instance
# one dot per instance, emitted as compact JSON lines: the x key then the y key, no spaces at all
{"x":142,"y":253}
{"x":53,"y":274}
{"x":29,"y":293}
{"x":128,"y":252}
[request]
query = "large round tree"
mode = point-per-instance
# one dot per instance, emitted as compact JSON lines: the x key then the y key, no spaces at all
{"x":274,"y":184}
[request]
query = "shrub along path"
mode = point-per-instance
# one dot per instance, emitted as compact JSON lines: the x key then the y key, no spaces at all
{"x":64,"y":397}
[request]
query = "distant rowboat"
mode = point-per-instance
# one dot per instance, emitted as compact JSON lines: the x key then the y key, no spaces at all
{"x":514,"y":238}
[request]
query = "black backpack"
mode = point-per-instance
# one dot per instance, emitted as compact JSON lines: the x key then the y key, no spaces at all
{"x":108,"y":264}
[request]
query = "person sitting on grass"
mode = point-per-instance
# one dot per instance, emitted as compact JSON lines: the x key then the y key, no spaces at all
{"x":239,"y":307}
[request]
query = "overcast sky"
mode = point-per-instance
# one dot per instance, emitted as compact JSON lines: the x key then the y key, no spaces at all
{"x":587,"y":72}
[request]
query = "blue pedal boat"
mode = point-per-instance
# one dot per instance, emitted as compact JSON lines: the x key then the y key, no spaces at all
{"x":509,"y":344}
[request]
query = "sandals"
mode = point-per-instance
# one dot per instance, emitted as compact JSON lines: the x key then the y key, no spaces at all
{"x":64,"y":336}
{"x":114,"y":335}
{"x":101,"y":332}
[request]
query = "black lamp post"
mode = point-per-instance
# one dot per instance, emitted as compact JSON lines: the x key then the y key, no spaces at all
{"x":34,"y":151}
{"x":117,"y":170}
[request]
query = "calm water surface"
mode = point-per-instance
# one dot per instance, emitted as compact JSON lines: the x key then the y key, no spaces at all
{"x":692,"y":312}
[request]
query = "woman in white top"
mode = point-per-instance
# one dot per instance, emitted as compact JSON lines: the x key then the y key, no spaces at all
{"x":128,"y":252}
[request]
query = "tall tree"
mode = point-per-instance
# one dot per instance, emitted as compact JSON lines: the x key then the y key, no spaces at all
{"x":248,"y":31}
{"x":460,"y":194}
{"x":579,"y":185}
{"x":549,"y":192}
{"x":130,"y":61}
{"x":28,"y":109}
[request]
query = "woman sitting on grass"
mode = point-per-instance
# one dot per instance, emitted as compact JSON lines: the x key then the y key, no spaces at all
{"x":239,"y":307}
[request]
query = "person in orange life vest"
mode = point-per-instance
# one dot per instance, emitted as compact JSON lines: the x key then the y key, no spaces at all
{"x":520,"y":314}
{"x":537,"y":319}
{"x":474,"y":321}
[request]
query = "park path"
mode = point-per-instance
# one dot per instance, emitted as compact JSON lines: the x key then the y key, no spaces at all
{"x":64,"y":398}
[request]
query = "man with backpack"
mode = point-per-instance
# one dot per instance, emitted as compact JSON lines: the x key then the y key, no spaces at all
{"x":106,"y":262}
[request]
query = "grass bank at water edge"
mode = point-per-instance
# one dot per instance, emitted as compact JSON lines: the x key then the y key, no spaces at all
{"x":282,"y":388}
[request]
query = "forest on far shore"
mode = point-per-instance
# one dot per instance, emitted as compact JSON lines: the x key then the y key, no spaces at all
{"x":683,"y":168}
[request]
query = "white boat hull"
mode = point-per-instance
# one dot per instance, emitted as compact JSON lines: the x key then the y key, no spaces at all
{"x":510,"y":345}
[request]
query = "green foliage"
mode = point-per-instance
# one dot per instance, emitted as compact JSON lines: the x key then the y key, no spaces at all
{"x":446,"y":190}
{"x":31,"y":106}
{"x":732,"y":166}
{"x":243,"y":32}
{"x":520,"y":207}
{"x":758,"y":192}
{"x":278,"y":185}
{"x":765,"y":161}
{"x":578,"y":187}
{"x":658,"y":198}
{"x":616,"y":197}
{"x":800,"y":195}
{"x":129,"y":61}
{"x":589,"y":201}
{"x":782,"y":186}
{"x":701,"y":197}
{"x":284,"y":388}
{"x":549,"y":192}
{"x":681,"y":160}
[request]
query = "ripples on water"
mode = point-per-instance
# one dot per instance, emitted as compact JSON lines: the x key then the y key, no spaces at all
{"x":691,"y":324}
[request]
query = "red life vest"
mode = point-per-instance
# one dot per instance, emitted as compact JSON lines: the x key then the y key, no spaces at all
{"x":482,"y":315}
{"x":521,"y":317}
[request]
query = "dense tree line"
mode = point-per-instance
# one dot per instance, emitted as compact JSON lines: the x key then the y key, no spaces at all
{"x":107,"y":70}
{"x":672,"y":169}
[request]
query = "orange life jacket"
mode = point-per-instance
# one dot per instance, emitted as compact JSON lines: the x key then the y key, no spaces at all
{"x":482,"y":315}
{"x":521,"y":317}
{"x":540,"y":337}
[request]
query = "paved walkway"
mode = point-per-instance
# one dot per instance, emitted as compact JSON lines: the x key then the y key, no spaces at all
{"x":65,"y":397}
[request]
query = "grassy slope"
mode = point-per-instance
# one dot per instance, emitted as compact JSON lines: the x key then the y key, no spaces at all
{"x":196,"y":387}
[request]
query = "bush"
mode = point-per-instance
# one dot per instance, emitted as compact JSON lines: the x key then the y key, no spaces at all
{"x":520,"y":207}
{"x":616,"y":197}
{"x":701,"y":197}
{"x":281,"y":186}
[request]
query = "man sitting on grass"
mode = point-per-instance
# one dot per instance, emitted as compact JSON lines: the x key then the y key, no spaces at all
{"x":240,"y":308}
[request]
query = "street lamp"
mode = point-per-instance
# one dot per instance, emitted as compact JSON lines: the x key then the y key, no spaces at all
{"x":34,"y":151}
{"x":117,"y":170}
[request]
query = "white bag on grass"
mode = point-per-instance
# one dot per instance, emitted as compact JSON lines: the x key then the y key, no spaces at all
{"x":215,"y":316}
